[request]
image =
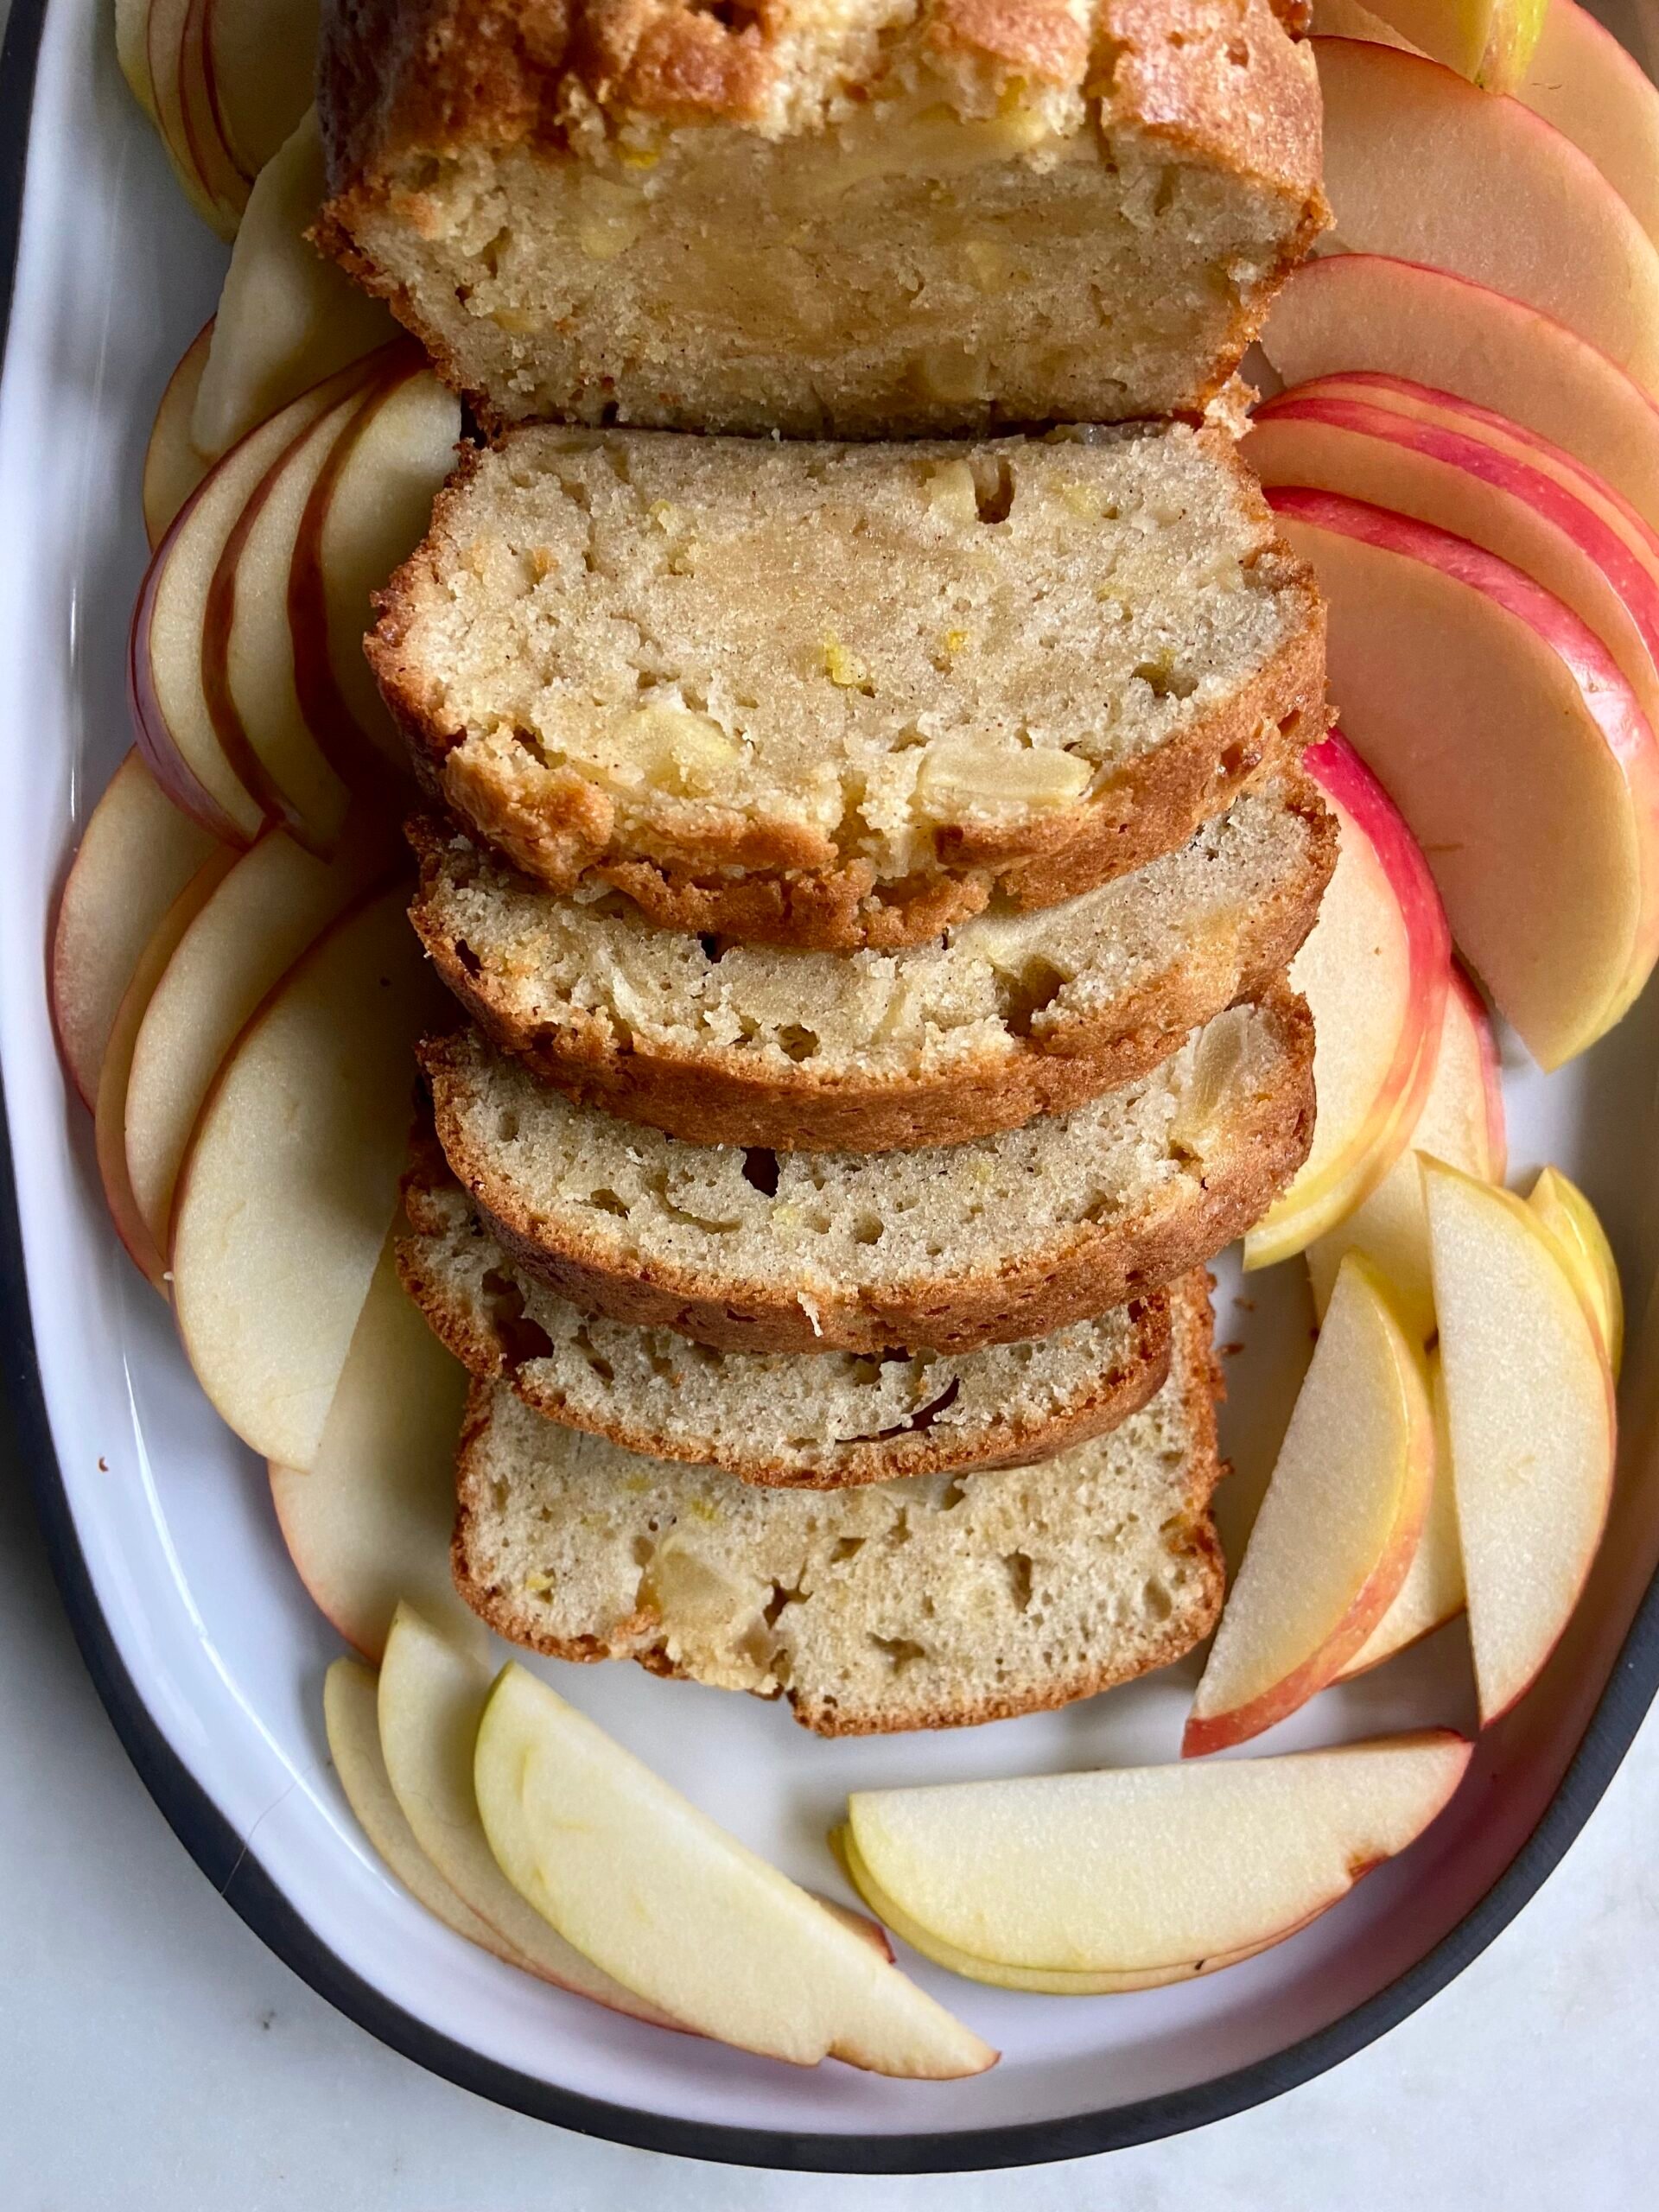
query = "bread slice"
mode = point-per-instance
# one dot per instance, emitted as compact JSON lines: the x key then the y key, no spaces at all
{"x":1004,"y":1017}
{"x":783,"y":217}
{"x":931,"y":1603}
{"x":990,"y":1242}
{"x":814,"y":1420}
{"x":834,"y":695}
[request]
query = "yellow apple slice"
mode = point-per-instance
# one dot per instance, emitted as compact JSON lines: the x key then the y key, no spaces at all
{"x":132,"y":51}
{"x":1530,"y":1413}
{"x":350,"y":1694}
{"x":1514,"y":747}
{"x":1572,"y":1220}
{"x":1431,"y":1593}
{"x":649,"y":1887}
{"x":1374,"y":970}
{"x":1584,"y":82}
{"x":263,"y":69}
{"x":370,"y":1522}
{"x":173,"y":467}
{"x":135,"y":854}
{"x":287,"y":316}
{"x":1490,"y":42}
{"x":1419,"y":165}
{"x":1338,"y":1528}
{"x":274,"y":902}
{"x":1149,"y":1870}
{"x":290,"y":1184}
{"x":1462,"y":1122}
{"x":432,"y":1692}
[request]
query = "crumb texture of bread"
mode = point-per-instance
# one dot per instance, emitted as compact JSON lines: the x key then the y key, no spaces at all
{"x":835,"y":695}
{"x":819,"y":1421}
{"x":1007,"y":1015}
{"x":891,"y":217}
{"x":931,"y":1602}
{"x":992,"y":1240}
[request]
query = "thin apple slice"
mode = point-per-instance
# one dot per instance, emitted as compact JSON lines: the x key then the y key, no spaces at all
{"x":1572,"y":1222}
{"x":1374,"y":970}
{"x":274,"y":903}
{"x":109,"y":1111}
{"x":1529,"y":1414}
{"x":1419,"y":165}
{"x":432,"y":1695}
{"x":173,"y":467}
{"x":649,"y":1887}
{"x":1362,"y":311}
{"x":262,"y":60}
{"x":1514,"y":747}
{"x":1433,"y":1592}
{"x":287,"y":317}
{"x":135,"y":854}
{"x":1491,"y":42}
{"x":203,"y":170}
{"x":369,"y":510}
{"x":350,"y":1694}
{"x":1462,"y":1122}
{"x":1582,"y":81}
{"x":1433,"y":466}
{"x":370,"y":1522}
{"x":1338,"y":1528}
{"x":1147,"y":1869}
{"x":290,"y":1184}
{"x":132,"y":51}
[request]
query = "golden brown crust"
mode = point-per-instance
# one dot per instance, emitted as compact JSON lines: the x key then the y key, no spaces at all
{"x":640,"y":1637}
{"x":716,"y":1096}
{"x":1097,"y":1267}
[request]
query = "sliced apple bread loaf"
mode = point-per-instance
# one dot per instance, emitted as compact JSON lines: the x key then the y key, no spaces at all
{"x":930,"y":1602}
{"x":996,"y":1240}
{"x":874,"y":219}
{"x":839,"y":695}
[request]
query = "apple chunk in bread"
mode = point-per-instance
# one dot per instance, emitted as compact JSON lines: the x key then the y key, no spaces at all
{"x":1530,"y":1420}
{"x":650,"y":1888}
{"x":290,"y":1184}
{"x":1374,"y":970}
{"x":1419,"y":165}
{"x":1514,"y":747}
{"x":1339,"y":1526}
{"x":1146,"y":1871}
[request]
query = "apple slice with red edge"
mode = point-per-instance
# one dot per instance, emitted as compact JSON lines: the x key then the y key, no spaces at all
{"x":1338,"y":1528}
{"x":1491,"y":42}
{"x":173,"y":467}
{"x":1514,"y":749}
{"x":1582,"y":1243}
{"x":108,"y":1112}
{"x":184,"y":114}
{"x":1461,"y":1122}
{"x":1531,"y":1420}
{"x":1433,"y":1591}
{"x":290,"y":1187}
{"x":1146,"y":1870}
{"x":262,"y":70}
{"x":269,"y":909}
{"x":1421,"y":166}
{"x":135,"y":854}
{"x":1374,"y":970}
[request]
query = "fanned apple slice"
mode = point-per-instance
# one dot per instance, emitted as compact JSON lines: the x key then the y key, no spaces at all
{"x":1490,"y":42}
{"x":1338,"y":1528}
{"x":201,"y":163}
{"x":132,"y":51}
{"x":370,"y":1522}
{"x":1433,"y":1592}
{"x":1584,"y":82}
{"x":1421,"y":165}
{"x":1149,"y":1870}
{"x":277,"y":901}
{"x":263,"y":67}
{"x":649,"y":1887}
{"x":290,"y":1184}
{"x":1462,"y":1122}
{"x":1529,"y":1414}
{"x":110,"y":1111}
{"x":287,"y":317}
{"x":1374,"y":970}
{"x":350,"y":1694}
{"x":432,"y":1692}
{"x":173,"y":467}
{"x":1572,"y":1222}
{"x":1514,"y":747}
{"x":135,"y":854}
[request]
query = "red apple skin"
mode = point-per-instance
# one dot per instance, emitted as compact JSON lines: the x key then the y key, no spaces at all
{"x":1608,"y":699}
{"x":161,"y":756}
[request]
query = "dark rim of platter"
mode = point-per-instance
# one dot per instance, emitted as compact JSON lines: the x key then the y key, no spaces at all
{"x":243,"y":1882}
